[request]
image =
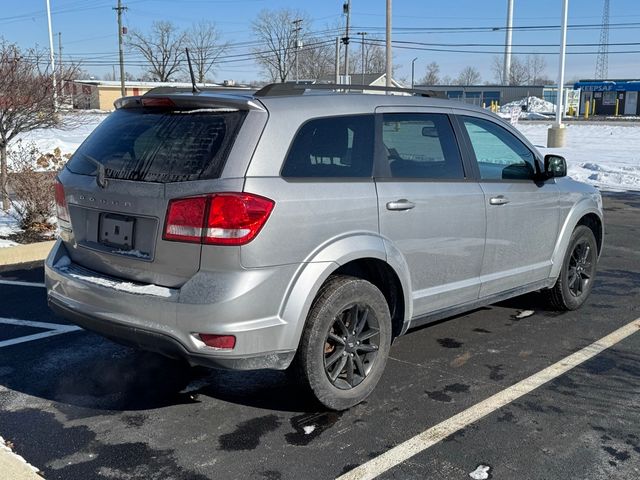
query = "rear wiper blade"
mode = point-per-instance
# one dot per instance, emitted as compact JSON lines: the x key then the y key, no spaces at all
{"x":101,"y":177}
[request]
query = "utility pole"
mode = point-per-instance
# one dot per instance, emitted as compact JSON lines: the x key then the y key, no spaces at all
{"x":119,"y":9}
{"x":296,"y":30}
{"x":506,"y":73}
{"x":337,"y":60}
{"x":389,"y":66}
{"x":53,"y":62}
{"x":362,"y":34}
{"x":61,"y":79}
{"x":346,"y":8}
{"x":413,"y":71}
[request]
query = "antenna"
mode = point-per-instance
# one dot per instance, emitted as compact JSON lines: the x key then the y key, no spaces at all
{"x":194,"y":87}
{"x":602,"y":62}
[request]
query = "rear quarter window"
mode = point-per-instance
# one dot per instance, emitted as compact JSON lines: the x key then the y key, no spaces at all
{"x":161,"y":146}
{"x":332,"y":147}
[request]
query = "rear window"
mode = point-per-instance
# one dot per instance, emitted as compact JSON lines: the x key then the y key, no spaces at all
{"x":163,"y":146}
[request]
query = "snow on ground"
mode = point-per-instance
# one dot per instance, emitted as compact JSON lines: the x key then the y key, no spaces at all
{"x":7,"y":243}
{"x":8,"y":226}
{"x":607,"y":156}
{"x":75,"y":128}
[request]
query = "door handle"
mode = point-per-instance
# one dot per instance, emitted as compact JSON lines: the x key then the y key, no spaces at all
{"x":499,"y":200}
{"x":402,"y":204}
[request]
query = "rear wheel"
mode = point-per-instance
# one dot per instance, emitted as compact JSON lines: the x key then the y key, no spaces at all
{"x":578,"y":271}
{"x":345,"y":343}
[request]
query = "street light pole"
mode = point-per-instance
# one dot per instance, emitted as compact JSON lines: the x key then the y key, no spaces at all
{"x":413,"y":70}
{"x":362,"y":34}
{"x":53,"y":63}
{"x":556,"y":134}
{"x":506,"y":74}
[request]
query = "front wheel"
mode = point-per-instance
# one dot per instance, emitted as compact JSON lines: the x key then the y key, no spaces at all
{"x":578,"y":271}
{"x":345,"y":343}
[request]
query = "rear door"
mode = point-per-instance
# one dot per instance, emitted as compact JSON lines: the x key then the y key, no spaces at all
{"x":522,"y":212}
{"x":149,"y":155}
{"x":430,"y":206}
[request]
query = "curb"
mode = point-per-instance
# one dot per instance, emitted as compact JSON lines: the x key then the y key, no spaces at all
{"x":32,"y":252}
{"x":15,"y":467}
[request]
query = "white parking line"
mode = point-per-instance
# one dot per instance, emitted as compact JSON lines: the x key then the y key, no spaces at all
{"x":22,"y":284}
{"x":433,"y":435}
{"x":52,"y":329}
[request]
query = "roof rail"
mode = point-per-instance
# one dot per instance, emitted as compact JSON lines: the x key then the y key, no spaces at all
{"x":281,"y":89}
{"x":219,"y":88}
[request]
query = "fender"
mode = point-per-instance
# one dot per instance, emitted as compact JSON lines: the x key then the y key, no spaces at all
{"x":584,"y":207}
{"x":320,"y":264}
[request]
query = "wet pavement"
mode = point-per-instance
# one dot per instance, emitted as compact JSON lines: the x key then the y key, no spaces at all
{"x":78,"y":406}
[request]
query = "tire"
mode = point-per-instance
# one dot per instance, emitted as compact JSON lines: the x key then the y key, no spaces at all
{"x":578,"y":271}
{"x":339,"y":367}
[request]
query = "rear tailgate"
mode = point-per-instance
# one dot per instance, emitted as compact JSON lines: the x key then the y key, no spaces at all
{"x":147,"y":157}
{"x":118,"y":231}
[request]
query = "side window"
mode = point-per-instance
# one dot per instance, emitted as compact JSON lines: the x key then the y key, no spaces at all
{"x":332,"y":147}
{"x":421,"y":145}
{"x":500,"y":155}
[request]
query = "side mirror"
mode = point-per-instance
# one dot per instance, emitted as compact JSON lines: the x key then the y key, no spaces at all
{"x":555,"y":166}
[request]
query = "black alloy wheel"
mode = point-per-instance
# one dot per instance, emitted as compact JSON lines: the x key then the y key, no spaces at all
{"x":581,"y":268}
{"x":351,"y":346}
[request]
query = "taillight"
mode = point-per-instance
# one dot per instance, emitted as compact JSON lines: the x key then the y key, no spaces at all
{"x":185,"y":219}
{"x":61,"y":203}
{"x":217,"y":219}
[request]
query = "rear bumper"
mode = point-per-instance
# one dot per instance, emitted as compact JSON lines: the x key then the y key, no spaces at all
{"x":167,"y":320}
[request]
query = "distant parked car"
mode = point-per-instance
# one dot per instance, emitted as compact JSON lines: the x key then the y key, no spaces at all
{"x":306,"y":229}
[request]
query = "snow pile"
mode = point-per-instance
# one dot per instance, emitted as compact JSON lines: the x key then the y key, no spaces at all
{"x":530,"y":104}
{"x":606,"y":156}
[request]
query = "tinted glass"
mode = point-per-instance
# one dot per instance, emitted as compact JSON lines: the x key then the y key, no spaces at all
{"x":163,"y":146}
{"x":332,"y":147}
{"x":500,"y":155}
{"x":421,"y":145}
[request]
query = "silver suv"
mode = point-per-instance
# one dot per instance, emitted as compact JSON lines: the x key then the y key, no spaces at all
{"x":306,"y":229}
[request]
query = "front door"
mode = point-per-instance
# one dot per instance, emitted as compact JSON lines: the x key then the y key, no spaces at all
{"x":522,"y":213}
{"x":631,"y":103}
{"x":430,"y":208}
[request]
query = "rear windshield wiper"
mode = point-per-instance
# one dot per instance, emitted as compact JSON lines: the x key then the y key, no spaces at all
{"x":101,"y":177}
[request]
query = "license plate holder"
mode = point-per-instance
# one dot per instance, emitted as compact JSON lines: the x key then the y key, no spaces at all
{"x":117,"y":231}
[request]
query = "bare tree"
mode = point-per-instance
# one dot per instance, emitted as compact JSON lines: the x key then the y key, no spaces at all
{"x":529,"y":71}
{"x":519,"y":73}
{"x":432,"y":74}
{"x":536,"y":65}
{"x":162,"y":48}
{"x":276,"y":34}
{"x":26,"y":100}
{"x":497,"y":68}
{"x":205,"y":46}
{"x":469,"y":76}
{"x":374,"y":58}
{"x":316,"y":59}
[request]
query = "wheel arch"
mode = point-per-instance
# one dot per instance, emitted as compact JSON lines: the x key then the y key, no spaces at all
{"x":363,"y":256}
{"x":583,"y":213}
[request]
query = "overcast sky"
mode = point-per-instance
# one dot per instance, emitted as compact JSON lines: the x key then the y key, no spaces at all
{"x":429,"y":30}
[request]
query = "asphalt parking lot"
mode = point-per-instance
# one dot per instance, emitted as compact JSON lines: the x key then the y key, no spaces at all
{"x":80,"y":407}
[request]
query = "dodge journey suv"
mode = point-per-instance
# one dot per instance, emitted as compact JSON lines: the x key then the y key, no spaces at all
{"x":306,"y":228}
